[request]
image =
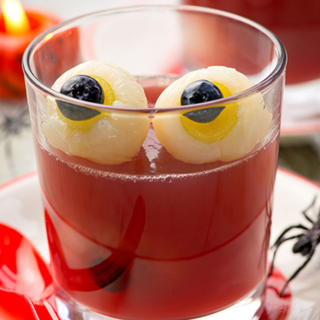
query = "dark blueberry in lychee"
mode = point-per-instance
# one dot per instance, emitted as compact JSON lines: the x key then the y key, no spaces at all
{"x":200,"y":91}
{"x":81,"y":87}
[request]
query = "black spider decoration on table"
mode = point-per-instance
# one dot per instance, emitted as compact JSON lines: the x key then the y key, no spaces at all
{"x":306,"y":244}
{"x":14,"y":123}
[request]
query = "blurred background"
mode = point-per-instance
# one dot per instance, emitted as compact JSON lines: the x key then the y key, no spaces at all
{"x":16,"y":145}
{"x":297,"y":24}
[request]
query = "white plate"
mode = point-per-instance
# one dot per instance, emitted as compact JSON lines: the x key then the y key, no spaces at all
{"x":300,"y":113}
{"x":20,"y":207}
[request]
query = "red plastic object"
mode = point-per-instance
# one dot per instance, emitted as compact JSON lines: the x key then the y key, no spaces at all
{"x":26,"y":290}
{"x":276,"y":307}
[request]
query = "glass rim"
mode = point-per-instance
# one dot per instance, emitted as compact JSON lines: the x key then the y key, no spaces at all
{"x":262,"y":85}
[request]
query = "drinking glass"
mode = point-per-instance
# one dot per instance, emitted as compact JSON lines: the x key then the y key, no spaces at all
{"x":180,"y":228}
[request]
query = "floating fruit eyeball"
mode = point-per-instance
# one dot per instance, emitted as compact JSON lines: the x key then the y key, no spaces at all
{"x":201,"y":135}
{"x":100,"y":135}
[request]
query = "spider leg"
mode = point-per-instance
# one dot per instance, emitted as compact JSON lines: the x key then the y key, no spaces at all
{"x":304,"y":212}
{"x":278,"y":241}
{"x":276,"y":249}
{"x":312,"y":251}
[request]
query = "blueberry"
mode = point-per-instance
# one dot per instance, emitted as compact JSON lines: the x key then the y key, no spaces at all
{"x":200,"y":91}
{"x":81,"y":87}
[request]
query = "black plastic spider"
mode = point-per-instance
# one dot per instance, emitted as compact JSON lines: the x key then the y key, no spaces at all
{"x":306,"y":244}
{"x":12,"y":124}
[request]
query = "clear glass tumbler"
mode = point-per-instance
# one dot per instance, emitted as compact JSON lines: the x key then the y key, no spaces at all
{"x":174,"y":223}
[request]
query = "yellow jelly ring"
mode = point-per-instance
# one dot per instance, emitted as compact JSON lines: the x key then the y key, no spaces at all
{"x":87,"y":124}
{"x":219,"y":127}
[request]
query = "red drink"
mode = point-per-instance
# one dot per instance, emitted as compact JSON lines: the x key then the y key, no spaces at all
{"x":295,"y":22}
{"x":157,"y":238}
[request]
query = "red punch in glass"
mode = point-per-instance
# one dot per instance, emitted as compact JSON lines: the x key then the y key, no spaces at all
{"x":157,"y":167}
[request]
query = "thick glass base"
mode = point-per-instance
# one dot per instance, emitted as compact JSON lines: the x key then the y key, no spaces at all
{"x":248,"y":309}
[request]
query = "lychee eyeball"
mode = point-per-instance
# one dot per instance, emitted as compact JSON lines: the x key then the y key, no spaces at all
{"x":226,"y":133}
{"x":100,"y":135}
